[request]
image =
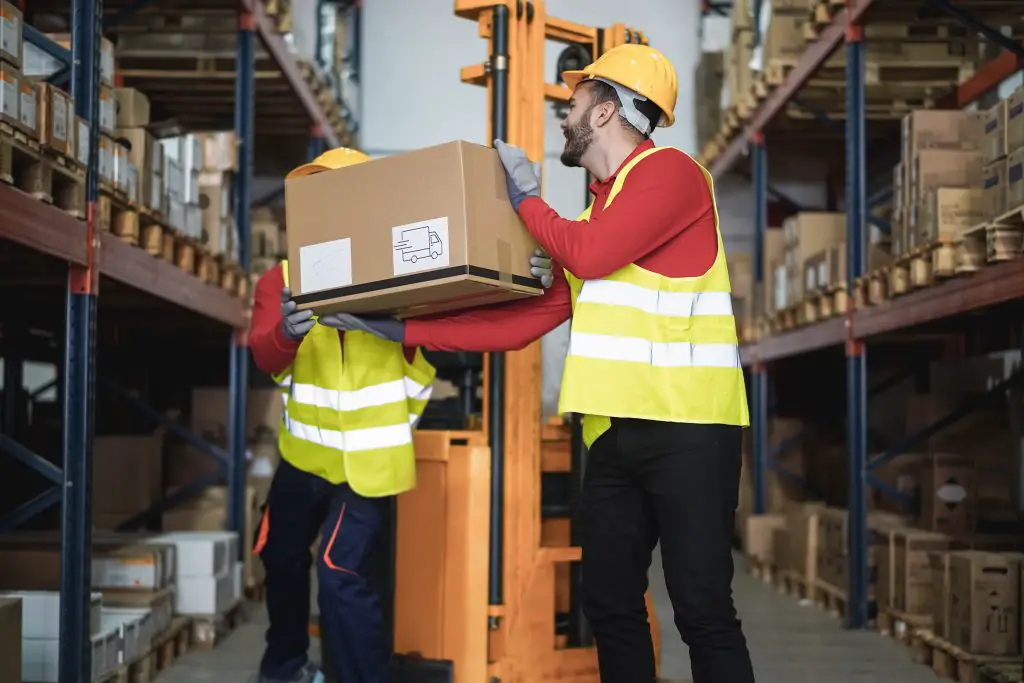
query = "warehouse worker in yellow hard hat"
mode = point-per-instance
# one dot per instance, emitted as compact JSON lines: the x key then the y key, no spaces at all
{"x":351,"y":402}
{"x":653,"y":365}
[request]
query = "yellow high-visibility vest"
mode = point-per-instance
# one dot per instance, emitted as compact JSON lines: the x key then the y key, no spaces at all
{"x":647,"y":346}
{"x":350,"y":409}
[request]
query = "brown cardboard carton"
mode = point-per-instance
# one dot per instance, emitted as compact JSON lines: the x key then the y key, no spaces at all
{"x":11,"y":22}
{"x":122,"y":458}
{"x":408,"y":235}
{"x":10,"y":639}
{"x":995,"y":133}
{"x":1015,"y":120}
{"x":948,"y":494}
{"x":994,"y":186}
{"x":934,"y":168}
{"x":784,"y":40}
{"x":758,"y":539}
{"x":28,"y":108}
{"x":56,"y":119}
{"x":913,"y":574}
{"x":1015,"y":179}
{"x":948,"y":211}
{"x":939,"y":562}
{"x":941,"y":129}
{"x":985,"y":602}
{"x":132,"y":108}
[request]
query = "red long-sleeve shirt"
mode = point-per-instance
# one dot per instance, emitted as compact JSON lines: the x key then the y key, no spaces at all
{"x":272,"y":351}
{"x":662,"y":220}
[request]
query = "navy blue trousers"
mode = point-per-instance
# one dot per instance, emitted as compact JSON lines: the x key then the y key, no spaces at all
{"x":353,"y":550}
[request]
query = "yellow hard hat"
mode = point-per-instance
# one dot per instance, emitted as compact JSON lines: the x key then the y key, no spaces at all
{"x":640,"y":68}
{"x":339,"y":157}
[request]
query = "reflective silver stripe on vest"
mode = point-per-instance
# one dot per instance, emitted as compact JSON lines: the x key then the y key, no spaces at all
{"x":342,"y":401}
{"x":659,"y":354}
{"x":653,"y":301}
{"x":353,"y":440}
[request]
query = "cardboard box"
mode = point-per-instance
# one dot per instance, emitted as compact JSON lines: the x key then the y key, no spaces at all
{"x":56,"y":119}
{"x":1015,"y":120}
{"x":913,"y":592}
{"x":408,"y":235}
{"x":220,"y":150}
{"x":11,"y":22}
{"x":160,"y":604}
{"x":826,"y":269}
{"x":994,"y":186}
{"x":985,"y":602}
{"x":30,"y":564}
{"x":948,"y":494}
{"x":935,"y":168}
{"x":757,"y":539}
{"x":784,"y":41}
{"x":108,"y":110}
{"x":948,"y":211}
{"x":1014,"y":179}
{"x":121,"y":458}
{"x":10,"y":94}
{"x":995,"y":133}
{"x":10,"y":639}
{"x":941,"y":129}
{"x":132,"y":108}
{"x":81,"y":136}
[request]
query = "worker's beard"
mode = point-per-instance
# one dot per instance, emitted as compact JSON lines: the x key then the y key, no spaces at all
{"x":577,"y":141}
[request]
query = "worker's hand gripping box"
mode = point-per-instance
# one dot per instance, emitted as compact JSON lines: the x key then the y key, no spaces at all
{"x":407,"y":235}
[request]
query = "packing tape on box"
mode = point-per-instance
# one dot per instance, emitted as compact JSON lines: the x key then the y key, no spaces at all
{"x":504,"y":261}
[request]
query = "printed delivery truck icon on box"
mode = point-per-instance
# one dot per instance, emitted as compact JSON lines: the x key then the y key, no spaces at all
{"x":418,"y":243}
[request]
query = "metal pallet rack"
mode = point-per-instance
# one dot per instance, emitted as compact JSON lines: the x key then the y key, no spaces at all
{"x":90,"y":254}
{"x":854,"y":331}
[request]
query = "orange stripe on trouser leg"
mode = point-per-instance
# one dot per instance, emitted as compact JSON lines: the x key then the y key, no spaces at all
{"x":330,"y":545}
{"x":261,"y":539}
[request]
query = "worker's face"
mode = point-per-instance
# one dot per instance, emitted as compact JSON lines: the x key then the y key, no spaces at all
{"x":577,"y":127}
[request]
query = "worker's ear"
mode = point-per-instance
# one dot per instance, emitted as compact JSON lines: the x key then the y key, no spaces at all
{"x":603,"y":113}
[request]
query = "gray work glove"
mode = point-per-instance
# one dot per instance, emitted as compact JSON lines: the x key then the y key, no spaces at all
{"x":390,"y":329}
{"x":296,"y":323}
{"x":521,"y":175}
{"x":540,"y":267}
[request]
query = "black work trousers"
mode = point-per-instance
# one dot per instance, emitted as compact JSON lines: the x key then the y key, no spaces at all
{"x":678,"y":484}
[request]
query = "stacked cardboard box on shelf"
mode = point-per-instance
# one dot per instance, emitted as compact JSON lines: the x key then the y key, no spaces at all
{"x":808,"y":235}
{"x":738,"y":55}
{"x":216,"y":184}
{"x":936,"y":185}
{"x":1004,"y":156}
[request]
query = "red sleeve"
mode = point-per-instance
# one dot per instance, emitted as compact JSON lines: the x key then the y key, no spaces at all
{"x":662,"y":196}
{"x":271,"y":350}
{"x":501,"y":327}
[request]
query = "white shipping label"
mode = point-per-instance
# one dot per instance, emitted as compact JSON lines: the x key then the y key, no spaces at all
{"x":420,"y":246}
{"x":823,"y":274}
{"x":9,"y":98}
{"x":59,"y":118}
{"x":809,"y":279}
{"x":108,"y":113}
{"x":28,"y":109}
{"x":83,"y":142}
{"x":325,"y":265}
{"x":133,"y":184}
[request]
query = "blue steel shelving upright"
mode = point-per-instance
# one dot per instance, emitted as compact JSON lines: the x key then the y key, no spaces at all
{"x":846,"y":32}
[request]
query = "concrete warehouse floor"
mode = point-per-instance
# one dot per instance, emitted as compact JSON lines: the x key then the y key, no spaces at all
{"x":790,"y":643}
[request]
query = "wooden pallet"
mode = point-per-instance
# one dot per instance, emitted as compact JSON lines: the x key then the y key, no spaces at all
{"x":1004,"y":238}
{"x":900,"y":626}
{"x":35,"y":171}
{"x":124,"y":219}
{"x":166,"y":647}
{"x":209,"y":631}
{"x":929,"y":264}
{"x":995,"y":672}
{"x":829,"y":599}
{"x":949,"y":661}
{"x":760,"y":569}
{"x":792,"y":585}
{"x":832,"y":301}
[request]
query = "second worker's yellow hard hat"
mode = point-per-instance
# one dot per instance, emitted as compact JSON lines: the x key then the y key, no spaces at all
{"x":640,"y":68}
{"x":339,"y":157}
